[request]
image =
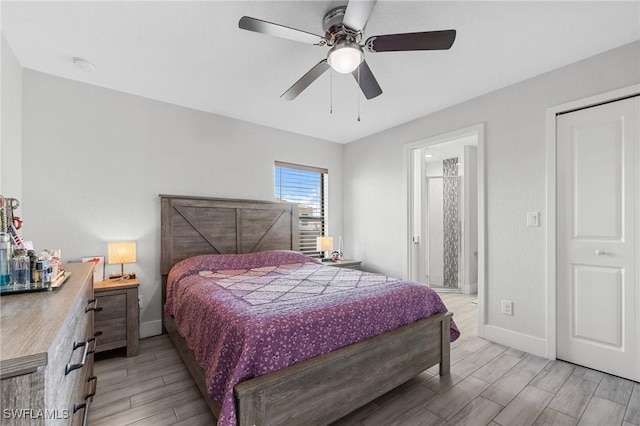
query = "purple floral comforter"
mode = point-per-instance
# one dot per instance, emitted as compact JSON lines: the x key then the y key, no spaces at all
{"x":247,"y":315}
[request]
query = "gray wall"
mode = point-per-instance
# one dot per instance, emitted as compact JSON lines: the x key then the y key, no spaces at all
{"x":11,"y":136}
{"x":515,"y":169}
{"x":95,"y":161}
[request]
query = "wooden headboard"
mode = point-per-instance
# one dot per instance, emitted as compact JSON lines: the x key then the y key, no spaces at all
{"x":196,"y":225}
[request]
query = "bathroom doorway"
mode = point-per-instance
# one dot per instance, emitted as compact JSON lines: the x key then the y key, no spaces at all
{"x":445,"y":229}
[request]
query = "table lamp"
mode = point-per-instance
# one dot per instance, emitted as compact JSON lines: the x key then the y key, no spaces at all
{"x":325,"y":244}
{"x":121,"y":252}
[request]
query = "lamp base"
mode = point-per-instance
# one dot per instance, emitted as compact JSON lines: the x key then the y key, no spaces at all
{"x":122,"y":276}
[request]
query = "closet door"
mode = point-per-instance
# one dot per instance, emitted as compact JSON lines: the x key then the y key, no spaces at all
{"x":598,"y":215}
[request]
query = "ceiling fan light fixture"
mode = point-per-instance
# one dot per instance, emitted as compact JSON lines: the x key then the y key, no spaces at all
{"x":345,"y":57}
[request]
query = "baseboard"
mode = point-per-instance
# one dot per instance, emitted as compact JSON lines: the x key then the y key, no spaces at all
{"x":513,"y":339}
{"x":150,"y":328}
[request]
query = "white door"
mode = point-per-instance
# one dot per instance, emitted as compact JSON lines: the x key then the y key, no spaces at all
{"x":598,"y":219}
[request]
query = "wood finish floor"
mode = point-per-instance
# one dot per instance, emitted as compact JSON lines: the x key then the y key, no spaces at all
{"x":489,"y":384}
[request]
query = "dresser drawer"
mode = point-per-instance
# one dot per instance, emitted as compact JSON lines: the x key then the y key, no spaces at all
{"x":80,"y":400}
{"x":70,"y":360}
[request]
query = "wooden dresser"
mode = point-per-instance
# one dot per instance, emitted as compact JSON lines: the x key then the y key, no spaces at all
{"x":46,"y":353}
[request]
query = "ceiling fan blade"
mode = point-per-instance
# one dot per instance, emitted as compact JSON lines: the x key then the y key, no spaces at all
{"x":357,"y":14}
{"x":368,"y":83}
{"x":428,"y":40}
{"x":276,"y":30}
{"x":305,"y":80}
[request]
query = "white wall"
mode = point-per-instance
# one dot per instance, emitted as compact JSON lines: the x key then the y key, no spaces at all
{"x":515,"y":155}
{"x":96,"y":160}
{"x":11,"y":133}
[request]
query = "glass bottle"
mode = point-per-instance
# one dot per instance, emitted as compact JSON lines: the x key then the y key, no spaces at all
{"x":5,"y":259}
{"x":33,"y":259}
{"x":21,"y":269}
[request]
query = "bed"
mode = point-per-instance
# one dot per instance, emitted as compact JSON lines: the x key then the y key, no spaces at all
{"x":315,"y":389}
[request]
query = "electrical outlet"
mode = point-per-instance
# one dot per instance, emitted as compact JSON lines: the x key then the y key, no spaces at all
{"x":140,"y":304}
{"x":507,"y":307}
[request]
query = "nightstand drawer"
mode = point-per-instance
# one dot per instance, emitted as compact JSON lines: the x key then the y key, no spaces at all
{"x":113,"y":306}
{"x":114,"y":333}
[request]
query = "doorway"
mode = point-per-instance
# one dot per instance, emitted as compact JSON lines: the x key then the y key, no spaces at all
{"x":441,"y":262}
{"x":446,"y":214}
{"x":596,"y":230}
{"x":441,"y":258}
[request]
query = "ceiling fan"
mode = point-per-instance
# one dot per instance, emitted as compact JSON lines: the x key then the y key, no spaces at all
{"x":344,"y":28}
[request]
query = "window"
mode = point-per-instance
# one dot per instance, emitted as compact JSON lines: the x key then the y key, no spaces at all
{"x":307,"y":187}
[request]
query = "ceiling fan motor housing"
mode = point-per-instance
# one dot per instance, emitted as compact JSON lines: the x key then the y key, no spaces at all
{"x":334,"y":29}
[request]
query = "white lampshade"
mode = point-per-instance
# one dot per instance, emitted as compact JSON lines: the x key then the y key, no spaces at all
{"x":345,"y":57}
{"x":120,"y":252}
{"x":324,"y":244}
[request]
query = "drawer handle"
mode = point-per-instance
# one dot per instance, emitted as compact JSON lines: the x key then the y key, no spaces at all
{"x":95,"y":307}
{"x":95,"y":343}
{"x":91,"y":394}
{"x":85,"y":405}
{"x":70,"y":367}
{"x":94,"y":339}
{"x":78,"y":406}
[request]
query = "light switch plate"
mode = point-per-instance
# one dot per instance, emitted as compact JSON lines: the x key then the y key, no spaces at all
{"x":533,"y":218}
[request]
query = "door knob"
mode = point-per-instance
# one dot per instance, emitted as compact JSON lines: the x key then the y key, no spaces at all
{"x":599,"y":252}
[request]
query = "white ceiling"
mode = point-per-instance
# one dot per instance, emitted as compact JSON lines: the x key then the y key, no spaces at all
{"x":193,"y":54}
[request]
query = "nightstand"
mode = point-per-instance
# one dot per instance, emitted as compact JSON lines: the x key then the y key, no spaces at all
{"x":119,"y":318}
{"x":344,"y":263}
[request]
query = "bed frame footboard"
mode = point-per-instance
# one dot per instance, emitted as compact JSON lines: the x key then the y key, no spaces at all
{"x":325,"y":388}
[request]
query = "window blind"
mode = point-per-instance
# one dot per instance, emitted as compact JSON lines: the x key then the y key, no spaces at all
{"x":307,"y":187}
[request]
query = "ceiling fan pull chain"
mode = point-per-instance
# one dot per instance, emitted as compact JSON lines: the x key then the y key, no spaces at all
{"x":330,"y":93}
{"x":358,"y":92}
